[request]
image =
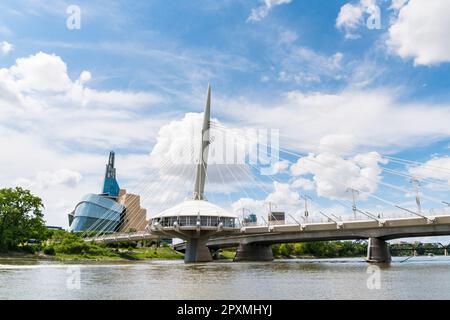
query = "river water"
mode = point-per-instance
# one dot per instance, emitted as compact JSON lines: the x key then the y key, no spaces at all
{"x":352,"y":278}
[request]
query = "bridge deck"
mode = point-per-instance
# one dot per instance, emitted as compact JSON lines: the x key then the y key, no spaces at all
{"x":360,"y":229}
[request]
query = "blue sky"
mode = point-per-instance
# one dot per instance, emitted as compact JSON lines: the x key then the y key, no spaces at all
{"x":311,"y":69}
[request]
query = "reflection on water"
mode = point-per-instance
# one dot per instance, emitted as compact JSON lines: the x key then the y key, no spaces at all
{"x":417,"y":278}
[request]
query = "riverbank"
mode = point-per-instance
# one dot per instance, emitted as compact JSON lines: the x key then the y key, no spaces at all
{"x":161,"y":253}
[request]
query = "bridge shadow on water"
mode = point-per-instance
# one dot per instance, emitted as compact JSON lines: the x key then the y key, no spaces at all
{"x":279,"y":265}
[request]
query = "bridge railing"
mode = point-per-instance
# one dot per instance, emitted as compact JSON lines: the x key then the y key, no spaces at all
{"x":313,"y":218}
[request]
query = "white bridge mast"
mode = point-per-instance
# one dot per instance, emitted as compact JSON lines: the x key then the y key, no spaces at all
{"x":199,"y":187}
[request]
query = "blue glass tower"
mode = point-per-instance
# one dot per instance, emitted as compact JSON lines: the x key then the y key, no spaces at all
{"x":110,"y":185}
{"x":99,"y":212}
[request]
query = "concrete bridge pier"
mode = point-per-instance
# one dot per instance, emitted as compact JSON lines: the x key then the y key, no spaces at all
{"x":378,"y":251}
{"x":254,"y":252}
{"x":197,"y":251}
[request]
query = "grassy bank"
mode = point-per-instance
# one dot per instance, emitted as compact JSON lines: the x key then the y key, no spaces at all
{"x":227,"y":254}
{"x":109,"y":254}
{"x":135,"y":254}
{"x":65,"y":246}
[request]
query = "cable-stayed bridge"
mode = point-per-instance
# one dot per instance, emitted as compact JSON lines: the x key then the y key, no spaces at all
{"x":206,"y":227}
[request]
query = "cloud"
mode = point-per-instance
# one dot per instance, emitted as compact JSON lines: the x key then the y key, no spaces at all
{"x":48,"y":121}
{"x":255,"y":206}
{"x":283,"y":195}
{"x":175,"y":156}
{"x":333,"y":175}
{"x":337,"y":143}
{"x":420,"y":32}
{"x":85,"y":76}
{"x":40,"y":72}
{"x":38,"y":90}
{"x":263,"y":10}
{"x":303,"y":65}
{"x":351,"y":16}
{"x":280,"y":166}
{"x":356,"y":120}
{"x":304,"y":184}
{"x":282,"y":198}
{"x":46,"y":179}
{"x":398,"y":4}
{"x":65,"y":123}
{"x":437,"y":168}
{"x":288,"y":36}
{"x":6,"y":47}
{"x":178,"y":142}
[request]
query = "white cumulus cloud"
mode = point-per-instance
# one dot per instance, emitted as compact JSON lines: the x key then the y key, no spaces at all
{"x":437,"y":168}
{"x":280,"y":166}
{"x":283,"y":195}
{"x":420,"y":31}
{"x":304,"y":184}
{"x":40,"y":72}
{"x":352,"y":16}
{"x":282,"y":198}
{"x":332,"y":175}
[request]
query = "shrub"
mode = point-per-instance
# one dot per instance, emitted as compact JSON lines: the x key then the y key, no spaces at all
{"x":29,"y":248}
{"x":50,"y":250}
{"x":276,"y":250}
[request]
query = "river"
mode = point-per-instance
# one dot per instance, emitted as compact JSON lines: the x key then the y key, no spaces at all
{"x":351,"y":278}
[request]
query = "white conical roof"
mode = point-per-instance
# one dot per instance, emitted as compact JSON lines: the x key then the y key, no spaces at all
{"x":194,"y":208}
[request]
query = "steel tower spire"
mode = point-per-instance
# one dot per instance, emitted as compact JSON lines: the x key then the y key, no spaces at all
{"x":204,"y":150}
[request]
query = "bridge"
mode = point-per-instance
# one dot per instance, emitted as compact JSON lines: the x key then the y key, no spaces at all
{"x":206,"y":227}
{"x":254,"y":242}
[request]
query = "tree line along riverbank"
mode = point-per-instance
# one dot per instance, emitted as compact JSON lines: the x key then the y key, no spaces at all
{"x":23,"y":234}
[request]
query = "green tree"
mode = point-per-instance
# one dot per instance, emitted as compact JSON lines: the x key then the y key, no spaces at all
{"x":276,"y":250}
{"x":21,"y":218}
{"x":286,"y":249}
{"x":298,"y":249}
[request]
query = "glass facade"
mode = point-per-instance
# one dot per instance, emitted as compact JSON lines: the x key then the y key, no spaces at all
{"x":110,"y":185}
{"x":96,"y":213}
{"x":205,"y":221}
